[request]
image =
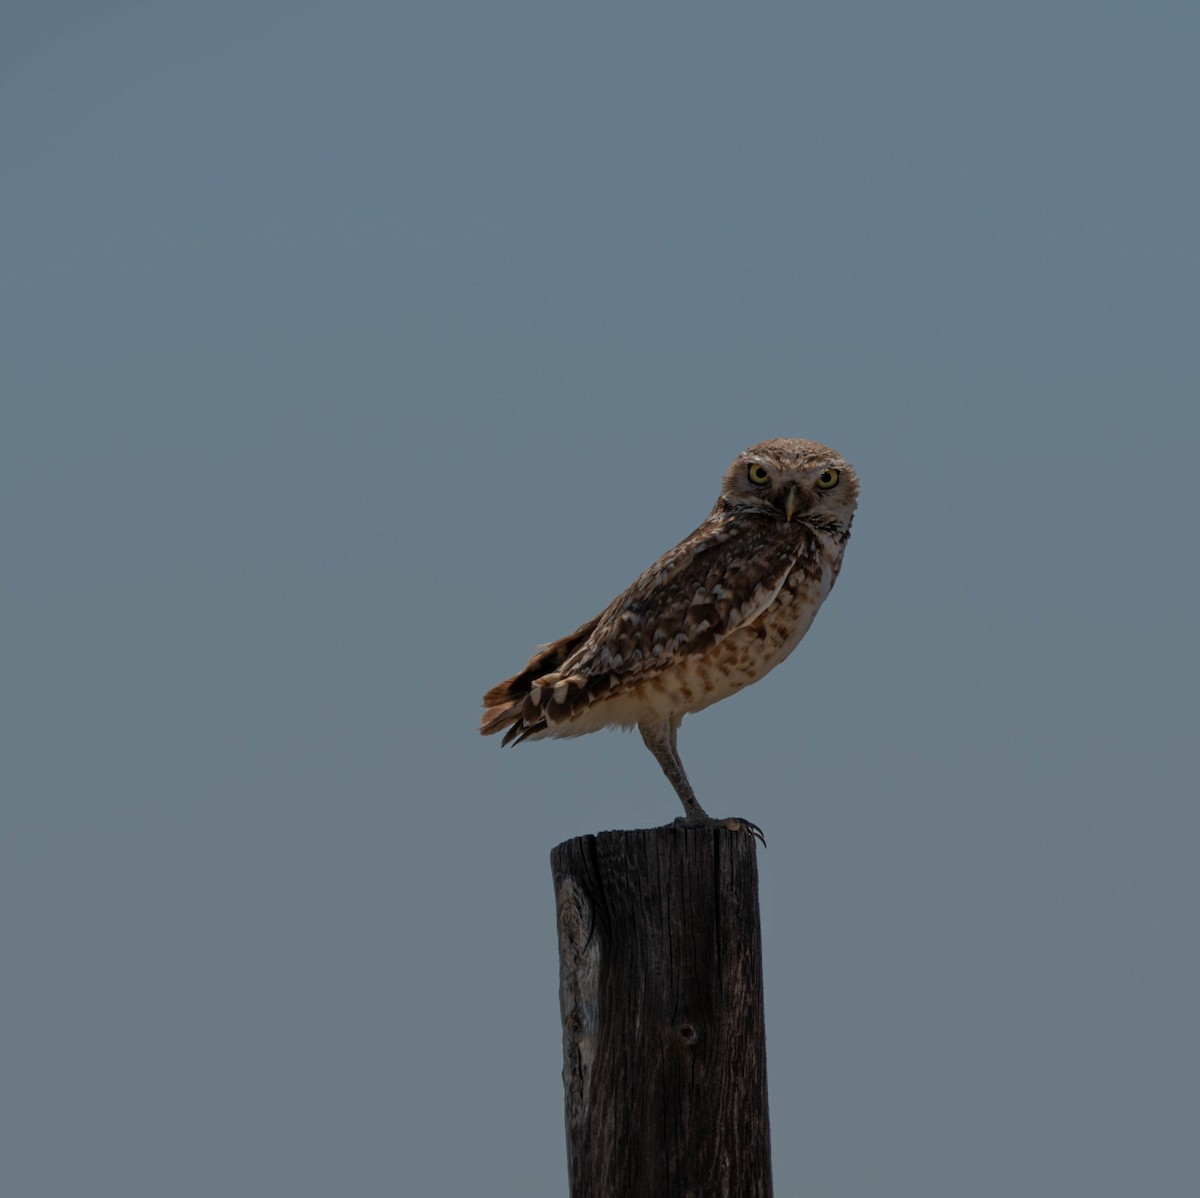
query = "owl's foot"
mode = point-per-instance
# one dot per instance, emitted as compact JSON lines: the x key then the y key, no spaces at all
{"x":731,"y":823}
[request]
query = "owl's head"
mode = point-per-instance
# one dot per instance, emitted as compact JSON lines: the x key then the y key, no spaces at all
{"x":793,"y":481}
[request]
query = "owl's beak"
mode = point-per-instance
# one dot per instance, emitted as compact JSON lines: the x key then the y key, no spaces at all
{"x":791,"y":504}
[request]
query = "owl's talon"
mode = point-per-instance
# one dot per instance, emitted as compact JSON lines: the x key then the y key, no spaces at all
{"x":730,"y":823}
{"x":734,"y":824}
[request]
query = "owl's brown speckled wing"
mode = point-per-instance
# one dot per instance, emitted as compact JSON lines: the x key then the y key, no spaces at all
{"x":686,"y":603}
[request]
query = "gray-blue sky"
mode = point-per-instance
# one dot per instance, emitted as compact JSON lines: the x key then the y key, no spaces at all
{"x":351,"y":350}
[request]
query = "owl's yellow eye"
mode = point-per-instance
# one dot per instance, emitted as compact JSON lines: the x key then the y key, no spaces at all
{"x":758,"y":475}
{"x":828,"y":479}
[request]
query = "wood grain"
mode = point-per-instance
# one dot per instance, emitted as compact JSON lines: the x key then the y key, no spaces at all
{"x":664,"y":1058}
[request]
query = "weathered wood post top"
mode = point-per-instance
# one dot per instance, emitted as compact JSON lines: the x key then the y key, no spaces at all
{"x":664,"y":1057}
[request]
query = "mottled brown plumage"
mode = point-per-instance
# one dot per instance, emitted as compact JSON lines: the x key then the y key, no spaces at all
{"x":712,"y":615}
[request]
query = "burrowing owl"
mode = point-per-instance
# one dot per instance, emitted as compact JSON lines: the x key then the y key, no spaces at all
{"x":712,"y":615}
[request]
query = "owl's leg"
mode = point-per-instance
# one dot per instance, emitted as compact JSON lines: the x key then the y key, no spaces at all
{"x":660,"y":740}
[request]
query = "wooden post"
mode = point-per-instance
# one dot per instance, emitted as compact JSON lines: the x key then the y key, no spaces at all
{"x":664,"y":1055}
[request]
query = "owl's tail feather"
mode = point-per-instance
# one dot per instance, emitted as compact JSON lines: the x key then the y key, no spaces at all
{"x":509,"y":716}
{"x":510,"y":704}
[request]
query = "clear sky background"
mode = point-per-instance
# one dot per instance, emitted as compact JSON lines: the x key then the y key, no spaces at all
{"x":350,"y":350}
